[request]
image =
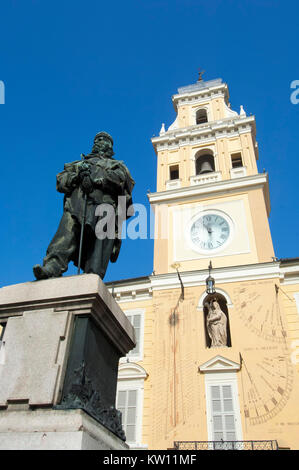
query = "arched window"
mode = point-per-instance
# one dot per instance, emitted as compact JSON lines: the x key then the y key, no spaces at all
{"x":201,"y":116}
{"x":216,"y":320}
{"x":204,"y":164}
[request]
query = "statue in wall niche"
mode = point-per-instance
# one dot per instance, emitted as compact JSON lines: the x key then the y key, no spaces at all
{"x":216,"y":322}
{"x":88,"y":184}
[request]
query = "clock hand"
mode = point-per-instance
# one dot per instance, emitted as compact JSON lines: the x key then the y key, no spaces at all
{"x":209,"y":230}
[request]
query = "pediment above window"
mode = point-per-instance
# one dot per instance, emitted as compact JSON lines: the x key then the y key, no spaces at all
{"x":219,"y":363}
{"x":130,"y":370}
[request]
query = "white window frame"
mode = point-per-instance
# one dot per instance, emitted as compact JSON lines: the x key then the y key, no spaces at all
{"x":131,"y":377}
{"x":296,"y":297}
{"x":220,"y":370}
{"x":136,"y":357}
{"x":223,"y":378}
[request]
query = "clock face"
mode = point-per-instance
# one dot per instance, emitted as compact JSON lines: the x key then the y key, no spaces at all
{"x":210,"y":232}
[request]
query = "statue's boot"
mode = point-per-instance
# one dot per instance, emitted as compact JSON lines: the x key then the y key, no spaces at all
{"x":48,"y":270}
{"x":41,"y":272}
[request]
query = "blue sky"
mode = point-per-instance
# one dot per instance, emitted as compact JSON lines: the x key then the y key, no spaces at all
{"x":73,"y":68}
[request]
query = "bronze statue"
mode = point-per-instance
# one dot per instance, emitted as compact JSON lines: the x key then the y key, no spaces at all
{"x":98,"y":179}
{"x":216,"y":324}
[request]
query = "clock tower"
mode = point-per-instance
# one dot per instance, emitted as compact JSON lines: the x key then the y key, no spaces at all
{"x":211,"y":201}
{"x":217,"y":358}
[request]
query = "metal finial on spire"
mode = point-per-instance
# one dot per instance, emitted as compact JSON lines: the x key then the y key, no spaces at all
{"x":200,"y":73}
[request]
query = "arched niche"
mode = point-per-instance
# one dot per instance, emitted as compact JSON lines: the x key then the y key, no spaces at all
{"x":201,"y":299}
{"x":214,"y":306}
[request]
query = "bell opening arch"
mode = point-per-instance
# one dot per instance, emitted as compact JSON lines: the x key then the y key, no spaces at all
{"x":204,"y":162}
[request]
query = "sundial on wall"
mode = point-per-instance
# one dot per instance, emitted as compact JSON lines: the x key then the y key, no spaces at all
{"x":267,"y":372}
{"x":260,"y":312}
{"x":267,"y":384}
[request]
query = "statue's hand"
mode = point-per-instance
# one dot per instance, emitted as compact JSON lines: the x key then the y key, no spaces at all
{"x":86,"y":184}
{"x":72,"y":181}
{"x":84,"y":170}
{"x":83,"y":175}
{"x":99,"y":182}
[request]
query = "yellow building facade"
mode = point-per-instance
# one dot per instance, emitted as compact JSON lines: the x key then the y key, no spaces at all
{"x":192,"y":378}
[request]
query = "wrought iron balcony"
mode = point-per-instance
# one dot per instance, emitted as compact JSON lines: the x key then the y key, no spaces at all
{"x":225,"y":445}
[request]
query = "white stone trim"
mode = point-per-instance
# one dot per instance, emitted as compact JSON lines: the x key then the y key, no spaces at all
{"x":196,"y":98}
{"x":205,"y":178}
{"x":199,"y":92}
{"x":230,"y":274}
{"x":130,"y":296}
{"x":289,"y":282}
{"x":238,"y":172}
{"x":226,"y":187}
{"x":224,"y":275}
{"x":131,"y":291}
{"x":173,"y":184}
{"x":290,"y":274}
{"x":221,"y":275}
{"x":191,"y":135}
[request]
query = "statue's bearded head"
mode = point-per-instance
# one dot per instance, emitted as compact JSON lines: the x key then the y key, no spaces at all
{"x":103,"y":145}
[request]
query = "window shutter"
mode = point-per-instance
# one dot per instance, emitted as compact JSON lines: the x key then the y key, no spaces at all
{"x":223,"y":415}
{"x":136,"y":322}
{"x":127,"y":405}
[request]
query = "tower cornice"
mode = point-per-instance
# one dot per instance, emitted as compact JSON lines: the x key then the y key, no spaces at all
{"x":197,"y":91}
{"x":214,"y":189}
{"x":192,"y":135}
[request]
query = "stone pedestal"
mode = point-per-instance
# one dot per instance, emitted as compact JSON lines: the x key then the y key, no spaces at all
{"x":58,"y":364}
{"x":55,"y":430}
